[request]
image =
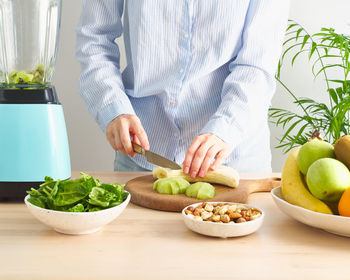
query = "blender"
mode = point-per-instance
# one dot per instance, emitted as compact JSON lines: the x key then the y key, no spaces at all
{"x":33,"y":136}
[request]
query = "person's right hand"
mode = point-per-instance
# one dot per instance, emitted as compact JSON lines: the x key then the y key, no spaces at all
{"x":120,"y":129}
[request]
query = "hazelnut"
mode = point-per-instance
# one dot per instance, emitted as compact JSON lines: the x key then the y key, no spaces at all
{"x":196,"y":213}
{"x":240,"y":220}
{"x":199,"y":211}
{"x":190,"y":208}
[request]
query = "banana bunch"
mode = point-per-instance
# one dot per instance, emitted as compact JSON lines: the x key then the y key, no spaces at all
{"x":294,"y":188}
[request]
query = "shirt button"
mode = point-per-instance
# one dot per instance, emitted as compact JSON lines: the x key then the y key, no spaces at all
{"x":173,"y":103}
{"x":186,"y":35}
{"x":181,"y":70}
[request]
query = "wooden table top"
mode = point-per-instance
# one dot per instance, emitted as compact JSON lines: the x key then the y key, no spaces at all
{"x":149,"y":244}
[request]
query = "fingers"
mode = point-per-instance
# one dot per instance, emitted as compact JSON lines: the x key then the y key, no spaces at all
{"x":207,"y":161}
{"x":119,"y":144}
{"x":207,"y":151}
{"x":218,"y":160}
{"x":124,"y":138}
{"x":140,"y":134}
{"x":110,"y":138}
{"x":136,"y":140}
{"x":190,"y":154}
{"x":120,"y":130}
{"x":198,"y":158}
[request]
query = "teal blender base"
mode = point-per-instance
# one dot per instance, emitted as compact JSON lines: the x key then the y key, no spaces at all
{"x":15,"y":191}
{"x":33,"y":144}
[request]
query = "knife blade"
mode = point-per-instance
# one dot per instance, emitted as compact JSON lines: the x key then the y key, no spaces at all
{"x":155,"y":158}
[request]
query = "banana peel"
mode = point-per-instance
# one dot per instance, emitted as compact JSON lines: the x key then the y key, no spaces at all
{"x":294,"y":188}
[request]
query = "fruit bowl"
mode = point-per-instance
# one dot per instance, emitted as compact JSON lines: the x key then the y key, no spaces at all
{"x":76,"y":222}
{"x":332,"y":223}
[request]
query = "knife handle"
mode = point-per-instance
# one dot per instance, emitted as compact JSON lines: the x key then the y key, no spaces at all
{"x":138,"y":149}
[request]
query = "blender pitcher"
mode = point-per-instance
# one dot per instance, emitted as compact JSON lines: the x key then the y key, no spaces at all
{"x":29,"y":31}
{"x":33,"y":137}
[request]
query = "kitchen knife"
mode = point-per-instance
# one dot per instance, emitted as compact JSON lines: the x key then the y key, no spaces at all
{"x":155,"y":158}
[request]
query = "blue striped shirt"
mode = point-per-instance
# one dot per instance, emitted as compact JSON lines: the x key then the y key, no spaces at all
{"x":192,"y":67}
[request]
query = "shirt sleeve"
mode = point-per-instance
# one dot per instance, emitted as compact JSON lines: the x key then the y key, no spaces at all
{"x":248,"y":89}
{"x":100,"y":82}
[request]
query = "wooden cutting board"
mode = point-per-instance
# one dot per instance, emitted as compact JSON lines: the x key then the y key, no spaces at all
{"x":142,"y":193}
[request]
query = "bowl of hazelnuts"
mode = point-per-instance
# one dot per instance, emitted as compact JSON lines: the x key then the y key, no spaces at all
{"x":223,"y":219}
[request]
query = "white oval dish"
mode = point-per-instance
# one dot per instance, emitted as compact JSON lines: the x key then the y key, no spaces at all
{"x":223,"y":229}
{"x":332,"y":223}
{"x":76,"y":222}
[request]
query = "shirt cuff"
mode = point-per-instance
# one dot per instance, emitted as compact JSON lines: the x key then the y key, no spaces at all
{"x":229,"y":133}
{"x":113,"y":110}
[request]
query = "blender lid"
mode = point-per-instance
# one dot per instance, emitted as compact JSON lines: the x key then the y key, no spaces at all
{"x":28,"y":96}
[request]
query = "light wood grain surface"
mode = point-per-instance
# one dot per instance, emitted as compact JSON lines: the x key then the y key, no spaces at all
{"x":150,"y":244}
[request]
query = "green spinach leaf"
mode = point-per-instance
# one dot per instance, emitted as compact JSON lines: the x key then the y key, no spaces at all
{"x":100,"y":197}
{"x":36,"y":201}
{"x":70,"y":192}
{"x":77,"y":208}
{"x":85,"y":194}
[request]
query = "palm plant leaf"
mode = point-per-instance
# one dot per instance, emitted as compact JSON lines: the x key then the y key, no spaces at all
{"x":332,"y":120}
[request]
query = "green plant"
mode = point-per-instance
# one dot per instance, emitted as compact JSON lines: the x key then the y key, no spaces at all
{"x":327,"y":50}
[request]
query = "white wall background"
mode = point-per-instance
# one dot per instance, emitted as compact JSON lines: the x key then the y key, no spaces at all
{"x":88,"y":146}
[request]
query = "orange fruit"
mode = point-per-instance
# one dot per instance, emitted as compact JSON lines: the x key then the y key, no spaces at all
{"x":344,"y":204}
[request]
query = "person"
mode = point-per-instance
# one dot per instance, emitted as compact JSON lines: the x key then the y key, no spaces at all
{"x":198,"y":82}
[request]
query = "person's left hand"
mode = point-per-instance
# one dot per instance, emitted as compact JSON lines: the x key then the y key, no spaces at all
{"x":200,"y":155}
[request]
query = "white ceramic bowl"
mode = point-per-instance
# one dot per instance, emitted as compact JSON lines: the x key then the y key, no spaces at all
{"x":331,"y":223}
{"x":221,"y":229}
{"x":75,"y":222}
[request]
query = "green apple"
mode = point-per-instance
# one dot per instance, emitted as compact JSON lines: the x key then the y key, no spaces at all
{"x":313,"y":150}
{"x":327,"y":179}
